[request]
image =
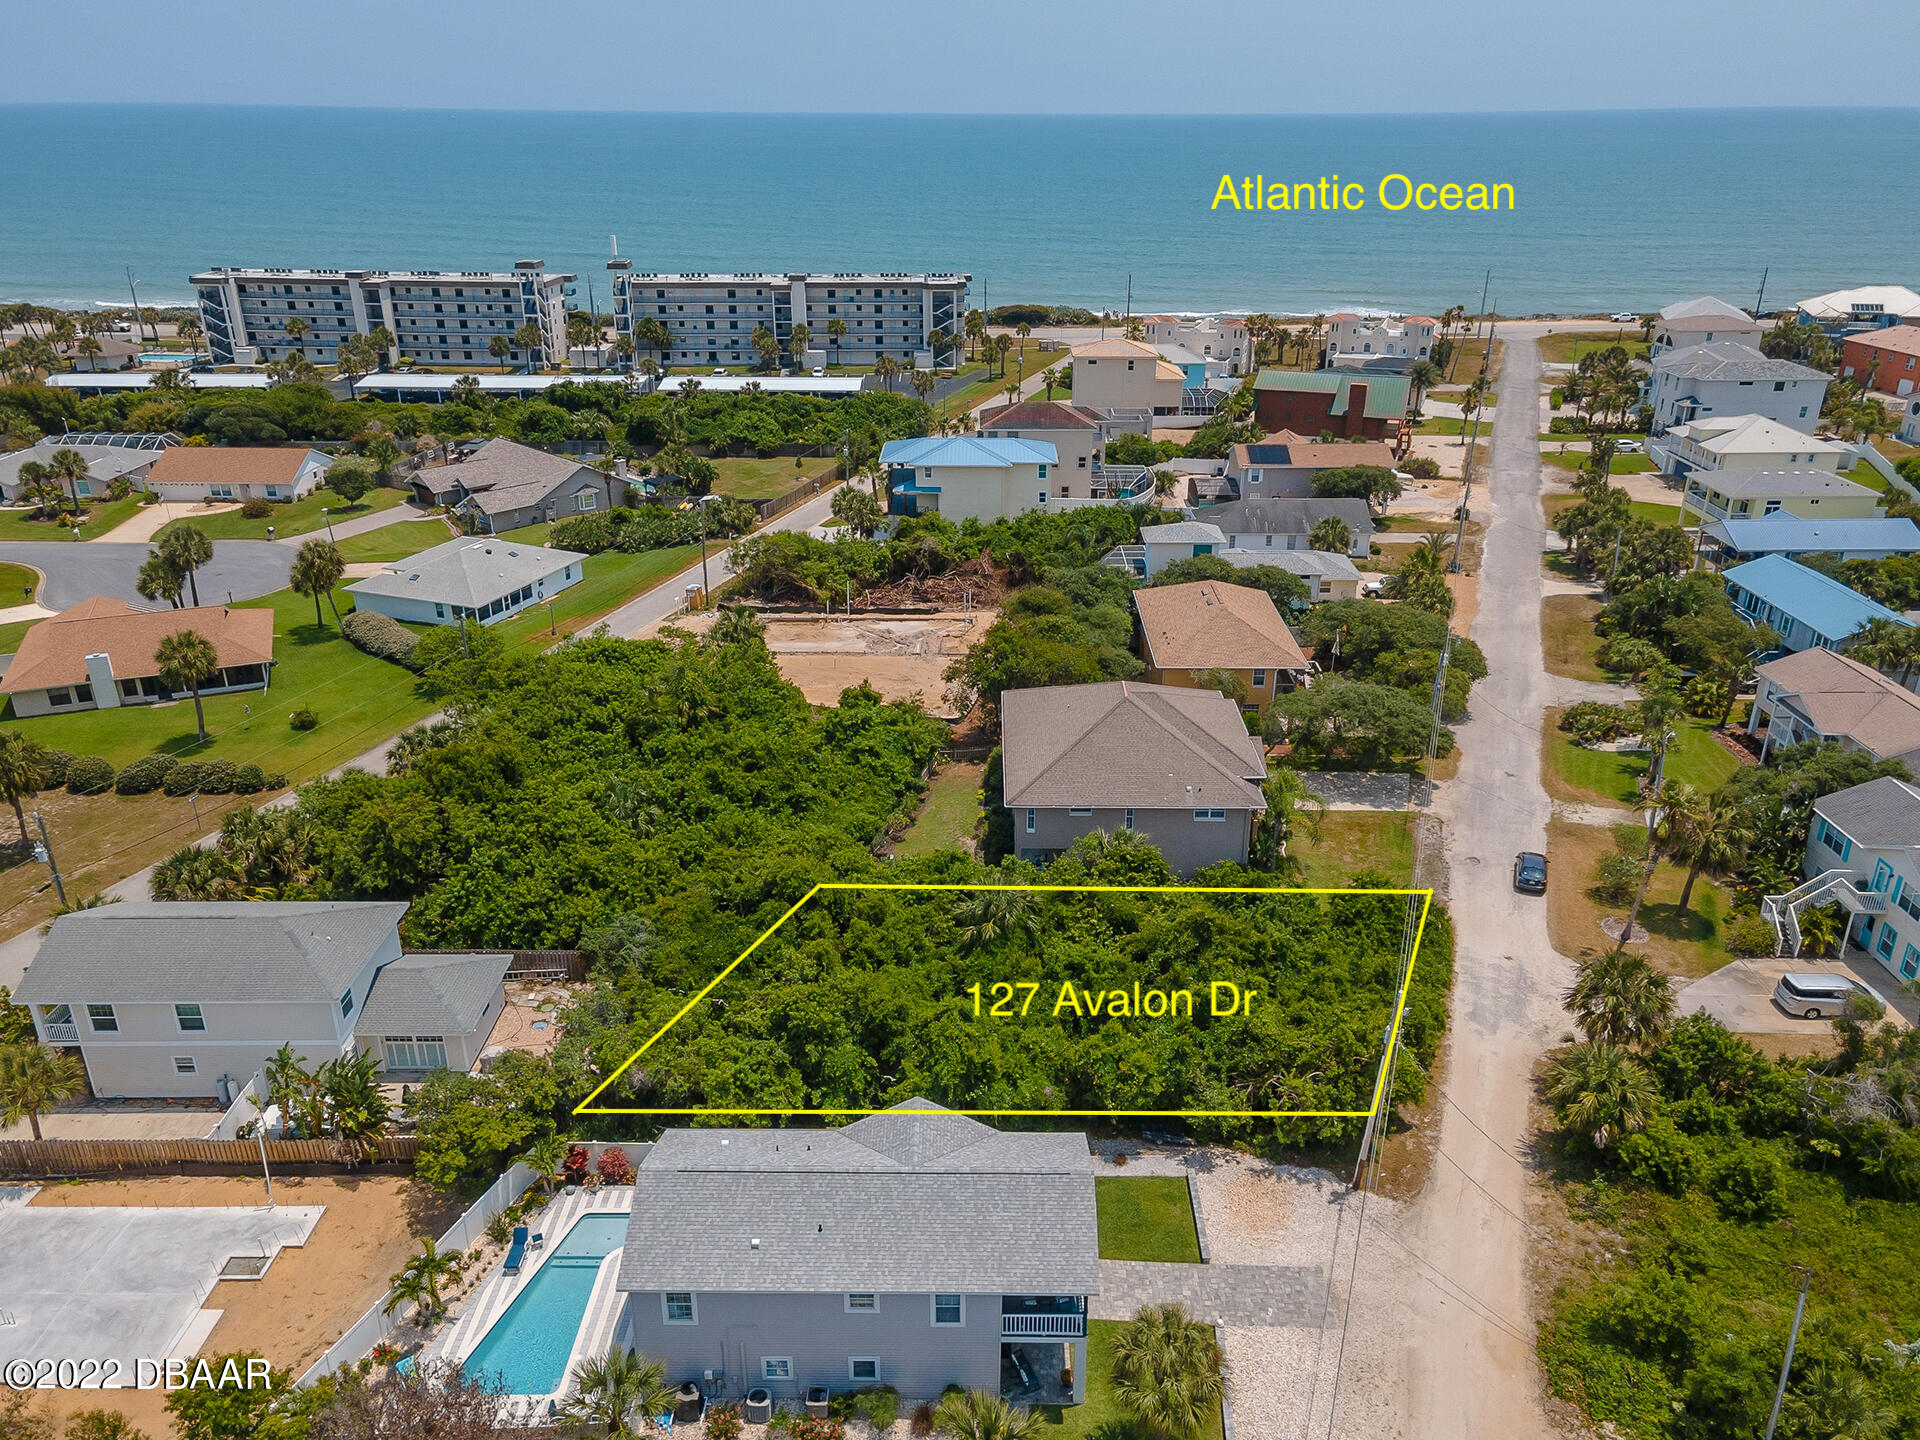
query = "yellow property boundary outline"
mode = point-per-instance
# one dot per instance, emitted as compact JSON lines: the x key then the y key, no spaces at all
{"x":587,"y":1107}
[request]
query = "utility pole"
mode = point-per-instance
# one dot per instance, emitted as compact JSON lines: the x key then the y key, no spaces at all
{"x":1763,"y":291}
{"x":1466,"y":493}
{"x":705,"y":593}
{"x":46,"y":853}
{"x":1129,"y":295}
{"x":1793,"y":1339}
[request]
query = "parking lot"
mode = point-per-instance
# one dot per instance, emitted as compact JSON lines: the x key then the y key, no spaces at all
{"x":1740,"y":995}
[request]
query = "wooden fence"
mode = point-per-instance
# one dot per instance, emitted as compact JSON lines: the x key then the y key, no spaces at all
{"x":92,"y":1157}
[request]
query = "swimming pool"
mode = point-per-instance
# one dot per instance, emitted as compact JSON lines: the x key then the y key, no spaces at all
{"x":529,"y":1344}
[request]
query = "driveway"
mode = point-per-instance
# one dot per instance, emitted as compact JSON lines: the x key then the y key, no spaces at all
{"x":239,"y":570}
{"x":1740,"y":995}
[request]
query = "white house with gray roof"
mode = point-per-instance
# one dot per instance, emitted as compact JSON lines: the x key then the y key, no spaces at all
{"x":1286,"y":524}
{"x":479,"y":577}
{"x":915,"y":1248}
{"x":166,"y":998}
{"x":1726,"y":377}
{"x":1863,"y":853}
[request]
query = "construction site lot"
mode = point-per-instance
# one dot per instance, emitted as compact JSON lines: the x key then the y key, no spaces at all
{"x":900,"y":654}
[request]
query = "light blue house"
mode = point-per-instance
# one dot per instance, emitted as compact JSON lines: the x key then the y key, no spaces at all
{"x":1807,"y":608}
{"x":967,"y":477}
{"x":1791,"y":535}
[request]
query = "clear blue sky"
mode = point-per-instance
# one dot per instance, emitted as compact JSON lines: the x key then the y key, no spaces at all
{"x":989,"y":56}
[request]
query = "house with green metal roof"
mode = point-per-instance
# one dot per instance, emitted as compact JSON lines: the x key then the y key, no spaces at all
{"x":1351,"y":405}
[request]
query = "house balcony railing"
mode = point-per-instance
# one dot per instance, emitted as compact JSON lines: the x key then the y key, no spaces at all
{"x":1043,"y":1327}
{"x":60,"y":1034}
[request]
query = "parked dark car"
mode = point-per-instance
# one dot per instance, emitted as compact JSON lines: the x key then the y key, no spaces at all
{"x":1530,"y":872}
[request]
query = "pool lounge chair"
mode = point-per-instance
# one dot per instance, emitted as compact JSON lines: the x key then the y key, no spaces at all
{"x":517,"y":1251}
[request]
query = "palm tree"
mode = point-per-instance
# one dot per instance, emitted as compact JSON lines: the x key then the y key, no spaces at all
{"x":978,"y":1415}
{"x":1602,"y":1090}
{"x":1620,"y":1000}
{"x":1474,"y":399}
{"x":1821,"y":928}
{"x":616,"y":1395}
{"x":924,"y":382}
{"x":160,"y":579}
{"x":187,"y":548}
{"x":990,"y":917}
{"x":286,"y":1078}
{"x":886,"y":367}
{"x":1882,"y":643}
{"x":1012,"y":392}
{"x":316,"y":570}
{"x":1051,"y":378}
{"x":1331,"y":533}
{"x":420,"y":1282}
{"x":798,"y":339}
{"x":1168,"y":1371}
{"x":186,"y":661}
{"x":35,"y":1079}
{"x":1710,"y":837}
{"x":22,"y":772}
{"x":544,"y":1156}
{"x":1840,"y":1404}
{"x":1423,"y":375}
{"x":836,"y":332}
{"x":499,"y":347}
{"x":297,"y":331}
{"x":68,"y":467}
{"x":88,"y":347}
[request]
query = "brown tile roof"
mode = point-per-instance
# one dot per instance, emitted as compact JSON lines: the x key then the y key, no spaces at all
{"x":1122,"y":743}
{"x":1039,"y":415}
{"x":228,"y":464}
{"x":55,"y":651}
{"x":1900,"y":339}
{"x":1209,"y":625}
{"x":1843,"y":697}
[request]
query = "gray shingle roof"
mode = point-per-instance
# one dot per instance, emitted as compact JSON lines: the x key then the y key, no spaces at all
{"x":1295,"y":562}
{"x":474,"y":570}
{"x":1183,"y":532}
{"x":1124,"y":743}
{"x":159,"y":952}
{"x":893,"y":1203}
{"x":432,"y":995}
{"x":1731,"y":360}
{"x":1282,"y":516}
{"x":505,"y":475}
{"x":1883,"y":814}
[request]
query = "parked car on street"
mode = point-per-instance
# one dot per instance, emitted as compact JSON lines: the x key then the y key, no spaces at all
{"x":1530,"y":872}
{"x":1626,"y":317}
{"x":1628,"y":447}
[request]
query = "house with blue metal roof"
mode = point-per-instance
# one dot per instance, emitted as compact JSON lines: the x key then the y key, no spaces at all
{"x":967,"y":477}
{"x":1805,"y":607}
{"x":1726,"y":542}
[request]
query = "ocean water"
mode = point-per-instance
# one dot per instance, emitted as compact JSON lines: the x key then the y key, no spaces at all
{"x":1613,"y":210}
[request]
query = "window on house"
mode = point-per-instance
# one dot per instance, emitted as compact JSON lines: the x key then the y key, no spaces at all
{"x":863,"y":1367}
{"x":183,"y":1065}
{"x":1259,"y":679}
{"x":862,"y":1301}
{"x":1887,"y":938}
{"x":1209,"y":814}
{"x":102,"y":1020}
{"x":1129,"y":819}
{"x":776,"y":1367}
{"x":61,"y":696}
{"x":1032,"y":815}
{"x":188,"y":1017}
{"x":949,"y":1310}
{"x":346,"y":1003}
{"x":585,"y":500}
{"x":678,"y":1309}
{"x":1910,"y":962}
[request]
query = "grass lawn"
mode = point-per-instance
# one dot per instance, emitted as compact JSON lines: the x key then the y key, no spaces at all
{"x":1354,"y":840}
{"x":17,"y":584}
{"x":1684,"y":945}
{"x":1567,"y":639}
{"x":1146,"y":1217}
{"x":10,"y":635}
{"x":1101,"y":1416}
{"x":391,"y":542}
{"x":747,"y":477}
{"x":530,"y":534}
{"x":1620,"y":465}
{"x":14,"y":524}
{"x":1611,"y":777}
{"x":1651,"y":510}
{"x":296,"y":518}
{"x":360,"y":701}
{"x":1448,"y":425}
{"x":612,"y":580}
{"x":1565,"y":347}
{"x":949,"y":813}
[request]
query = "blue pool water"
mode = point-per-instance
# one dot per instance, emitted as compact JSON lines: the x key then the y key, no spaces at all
{"x":529,"y":1344}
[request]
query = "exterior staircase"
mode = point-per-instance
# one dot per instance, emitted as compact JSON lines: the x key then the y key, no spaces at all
{"x":1829,"y":885}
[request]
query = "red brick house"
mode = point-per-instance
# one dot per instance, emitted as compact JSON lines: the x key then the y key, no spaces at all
{"x":1353,"y":405}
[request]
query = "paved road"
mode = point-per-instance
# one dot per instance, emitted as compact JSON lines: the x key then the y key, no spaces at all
{"x":242,"y":569}
{"x":1451,"y":1282}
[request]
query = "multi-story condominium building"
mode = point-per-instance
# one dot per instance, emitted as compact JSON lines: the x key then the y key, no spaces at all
{"x":851,"y":319}
{"x":439,"y":317}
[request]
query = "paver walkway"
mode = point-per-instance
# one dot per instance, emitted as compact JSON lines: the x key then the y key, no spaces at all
{"x":1220,"y":1294}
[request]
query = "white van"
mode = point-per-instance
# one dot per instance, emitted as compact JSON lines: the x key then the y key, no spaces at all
{"x":1816,"y":996}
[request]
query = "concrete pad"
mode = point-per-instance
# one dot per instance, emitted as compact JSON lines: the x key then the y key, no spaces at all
{"x":123,"y":1283}
{"x":147,"y":522}
{"x":1740,"y":995}
{"x":14,"y":614}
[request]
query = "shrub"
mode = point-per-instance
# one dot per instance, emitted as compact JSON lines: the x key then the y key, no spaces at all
{"x":614,"y":1167}
{"x":381,"y":636}
{"x":303,"y":718}
{"x":183,"y":778}
{"x":1657,"y":1316}
{"x":1750,"y":934}
{"x":575,"y":1168}
{"x":275,"y":780}
{"x":53,"y":768}
{"x":1661,"y":1156}
{"x":249,"y":780}
{"x":144,"y":775}
{"x":814,"y":1428}
{"x":220,"y":777}
{"x":256,"y":508}
{"x":89,"y":775}
{"x":723,"y":1423}
{"x":1591,"y":723}
{"x":1422,"y":467}
{"x":1616,"y":879}
{"x":1747,"y":1184}
{"x":922,"y":1423}
{"x":878,"y":1405}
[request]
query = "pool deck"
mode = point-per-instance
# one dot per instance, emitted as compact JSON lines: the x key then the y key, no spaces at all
{"x":499,"y":1290}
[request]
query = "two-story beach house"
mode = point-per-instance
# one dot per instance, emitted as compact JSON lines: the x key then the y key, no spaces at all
{"x":1725,"y":542}
{"x":1174,"y":765}
{"x":1283,"y":524}
{"x":1284,"y":465}
{"x":1863,"y":854}
{"x":173,"y":998}
{"x":1328,"y":576}
{"x":1805,"y":607}
{"x":1744,"y":442}
{"x":1726,"y":377}
{"x":1079,"y":436}
{"x":1756,"y":494}
{"x":967,"y":477}
{"x":915,"y":1248}
{"x":1823,"y":695}
{"x":1128,"y":378}
{"x":1698,"y":322}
